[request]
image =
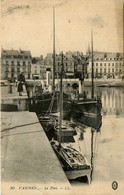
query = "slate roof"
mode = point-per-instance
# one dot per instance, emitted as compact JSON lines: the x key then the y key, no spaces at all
{"x":25,"y":53}
{"x":10,"y":52}
{"x":13,"y":52}
{"x":107,"y":55}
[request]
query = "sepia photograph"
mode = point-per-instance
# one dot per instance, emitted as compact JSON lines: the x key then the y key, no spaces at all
{"x":62,"y":97}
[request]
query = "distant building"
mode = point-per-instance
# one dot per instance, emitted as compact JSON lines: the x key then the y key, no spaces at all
{"x":13,"y":62}
{"x":68,"y":65}
{"x":39,"y":66}
{"x":106,"y":65}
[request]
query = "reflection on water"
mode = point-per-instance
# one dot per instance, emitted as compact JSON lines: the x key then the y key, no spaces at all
{"x":112,"y":100}
{"x":110,"y":137}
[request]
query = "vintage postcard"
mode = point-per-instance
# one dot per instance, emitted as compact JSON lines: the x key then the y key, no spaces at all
{"x":62,"y":97}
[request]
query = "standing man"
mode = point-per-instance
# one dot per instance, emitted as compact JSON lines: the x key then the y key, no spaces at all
{"x":21,"y":80}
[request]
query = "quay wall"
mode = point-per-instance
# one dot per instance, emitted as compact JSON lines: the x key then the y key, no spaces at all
{"x":27,"y":156}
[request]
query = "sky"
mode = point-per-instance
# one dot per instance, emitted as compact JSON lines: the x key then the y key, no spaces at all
{"x":28,"y":24}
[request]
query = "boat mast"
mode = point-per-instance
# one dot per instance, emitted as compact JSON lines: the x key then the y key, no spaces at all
{"x":92,"y":154}
{"x":61,"y":101}
{"x":53,"y":87}
{"x":92,"y":96}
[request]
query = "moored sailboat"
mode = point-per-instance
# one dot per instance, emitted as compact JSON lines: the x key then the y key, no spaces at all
{"x":73,"y":162}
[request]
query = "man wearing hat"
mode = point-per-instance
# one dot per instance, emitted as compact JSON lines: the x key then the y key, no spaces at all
{"x":21,"y":80}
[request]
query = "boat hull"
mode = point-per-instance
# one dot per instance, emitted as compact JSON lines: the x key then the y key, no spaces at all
{"x":86,"y":108}
{"x":78,"y":173}
{"x":65,"y":133}
{"x":74,"y":163}
{"x":47,"y":106}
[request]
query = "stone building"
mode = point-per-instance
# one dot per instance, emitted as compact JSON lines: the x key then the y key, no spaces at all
{"x":13,"y":62}
{"x":39,"y":67}
{"x":106,"y":65}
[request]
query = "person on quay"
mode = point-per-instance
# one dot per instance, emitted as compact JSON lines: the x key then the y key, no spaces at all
{"x":21,"y":82}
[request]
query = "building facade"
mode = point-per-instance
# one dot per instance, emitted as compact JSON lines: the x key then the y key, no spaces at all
{"x":39,"y":67}
{"x":106,"y":65}
{"x":13,"y":62}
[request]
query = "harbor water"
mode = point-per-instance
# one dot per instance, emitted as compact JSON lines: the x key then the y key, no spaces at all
{"x":108,"y":144}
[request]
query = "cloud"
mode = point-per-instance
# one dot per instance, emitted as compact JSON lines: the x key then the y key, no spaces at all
{"x":106,"y":140}
{"x":96,"y":21}
{"x":12,"y":9}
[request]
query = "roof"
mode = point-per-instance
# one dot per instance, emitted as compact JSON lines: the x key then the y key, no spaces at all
{"x":111,"y":55}
{"x":13,"y":52}
{"x":10,"y":52}
{"x":106,"y":55}
{"x":25,"y":53}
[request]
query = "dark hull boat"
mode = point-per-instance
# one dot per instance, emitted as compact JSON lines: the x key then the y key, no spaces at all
{"x":73,"y":162}
{"x":94,"y":122}
{"x":88,"y":108}
{"x":87,"y":113}
{"x":48,"y":103}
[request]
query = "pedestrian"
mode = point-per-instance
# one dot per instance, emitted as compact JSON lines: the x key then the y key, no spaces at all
{"x":21,"y":80}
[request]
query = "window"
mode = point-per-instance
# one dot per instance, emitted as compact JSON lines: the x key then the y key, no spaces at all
{"x":113,"y":70}
{"x":100,"y":64}
{"x":96,"y":70}
{"x":12,"y":69}
{"x":109,"y":64}
{"x":40,"y":71}
{"x":7,"y":69}
{"x":18,"y":63}
{"x":96,"y":64}
{"x":100,"y":70}
{"x":104,"y":70}
{"x":104,"y":64}
{"x":109,"y":70}
{"x":112,"y":64}
{"x":24,"y":63}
